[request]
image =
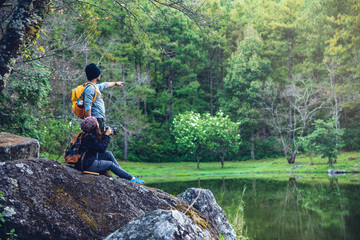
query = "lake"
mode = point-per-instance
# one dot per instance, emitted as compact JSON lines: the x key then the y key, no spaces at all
{"x":290,"y":209}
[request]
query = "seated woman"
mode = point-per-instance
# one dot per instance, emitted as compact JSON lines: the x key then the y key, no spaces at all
{"x":96,"y":158}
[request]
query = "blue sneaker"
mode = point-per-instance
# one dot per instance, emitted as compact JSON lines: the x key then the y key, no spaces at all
{"x":136,"y":180}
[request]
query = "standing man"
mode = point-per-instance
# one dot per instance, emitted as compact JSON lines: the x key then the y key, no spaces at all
{"x":93,"y":89}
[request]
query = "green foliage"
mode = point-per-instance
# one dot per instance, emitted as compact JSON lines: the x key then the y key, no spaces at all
{"x":263,"y":148}
{"x":12,"y":235}
{"x":155,"y":144}
{"x":194,"y":132}
{"x":352,"y":135}
{"x":2,"y":198}
{"x":189,"y":133}
{"x":325,"y":139}
{"x":248,"y":70}
{"x":57,"y":133}
{"x":170,"y":67}
{"x":222,"y":135}
{"x":24,"y":98}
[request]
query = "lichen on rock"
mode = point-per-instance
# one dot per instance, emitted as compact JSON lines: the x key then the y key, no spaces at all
{"x":161,"y":225}
{"x":13,"y":147}
{"x":58,"y":202}
{"x":204,"y":201}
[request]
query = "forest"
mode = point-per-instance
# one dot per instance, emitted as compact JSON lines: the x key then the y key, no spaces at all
{"x":215,"y":80}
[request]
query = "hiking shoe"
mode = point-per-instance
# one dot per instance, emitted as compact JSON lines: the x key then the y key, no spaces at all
{"x":106,"y":173}
{"x":136,"y":180}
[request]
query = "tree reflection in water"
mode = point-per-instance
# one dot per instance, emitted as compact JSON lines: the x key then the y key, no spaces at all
{"x":285,"y":209}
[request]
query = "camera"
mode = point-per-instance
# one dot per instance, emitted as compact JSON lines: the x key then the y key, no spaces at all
{"x":112,"y":129}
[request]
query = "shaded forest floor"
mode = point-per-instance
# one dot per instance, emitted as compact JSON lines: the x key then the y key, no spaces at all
{"x":277,"y":169}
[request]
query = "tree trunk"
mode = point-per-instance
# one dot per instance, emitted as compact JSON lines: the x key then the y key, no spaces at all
{"x":86,"y":54}
{"x":290,"y":120}
{"x":330,"y":162}
{"x":63,"y":78}
{"x":197,"y":158}
{"x":252,"y":145}
{"x":54,"y":98}
{"x":24,"y":24}
{"x":171,"y":91}
{"x":165,"y":89}
{"x":148,"y":84}
{"x":289,"y":66}
{"x":124,"y":95}
{"x":137,"y":83}
{"x":222,"y":69}
{"x":222,"y":157}
{"x":211,"y":86}
{"x":124,"y":105}
{"x":336,"y":109}
{"x":291,"y":160}
{"x":263,"y":129}
{"x":217,"y":77}
{"x":140,"y":71}
{"x":346,"y":121}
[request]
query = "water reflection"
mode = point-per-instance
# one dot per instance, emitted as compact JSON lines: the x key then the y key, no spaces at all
{"x":286,"y":209}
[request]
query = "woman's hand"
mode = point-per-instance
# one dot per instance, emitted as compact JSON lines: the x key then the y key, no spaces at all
{"x":109,"y":132}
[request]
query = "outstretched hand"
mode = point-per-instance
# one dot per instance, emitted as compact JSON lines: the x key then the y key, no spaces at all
{"x":119,"y":84}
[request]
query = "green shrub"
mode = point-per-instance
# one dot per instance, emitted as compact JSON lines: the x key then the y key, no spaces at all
{"x":24,"y":99}
{"x":57,"y":133}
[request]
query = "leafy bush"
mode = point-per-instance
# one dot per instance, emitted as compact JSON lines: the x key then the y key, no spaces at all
{"x":325,"y":140}
{"x":352,"y":136}
{"x":25,"y":98}
{"x":195,"y":133}
{"x":57,"y":133}
{"x":155,"y":144}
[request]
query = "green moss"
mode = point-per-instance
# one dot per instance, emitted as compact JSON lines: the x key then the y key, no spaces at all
{"x":86,"y":219}
{"x":192,"y":214}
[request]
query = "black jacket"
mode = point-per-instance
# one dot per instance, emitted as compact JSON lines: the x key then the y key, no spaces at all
{"x":93,"y":146}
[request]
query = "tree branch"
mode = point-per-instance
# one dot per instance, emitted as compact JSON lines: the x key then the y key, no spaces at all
{"x":20,"y":32}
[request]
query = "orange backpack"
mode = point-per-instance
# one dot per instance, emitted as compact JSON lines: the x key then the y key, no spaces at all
{"x":72,"y":155}
{"x":77,"y":98}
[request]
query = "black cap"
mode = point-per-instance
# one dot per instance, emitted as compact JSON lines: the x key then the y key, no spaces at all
{"x":92,"y":71}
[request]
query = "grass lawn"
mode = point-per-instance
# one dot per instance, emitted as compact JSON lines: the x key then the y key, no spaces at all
{"x":274,"y":168}
{"x":265,"y":168}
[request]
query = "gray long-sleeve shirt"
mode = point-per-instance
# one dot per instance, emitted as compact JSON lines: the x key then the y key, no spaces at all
{"x":98,"y":107}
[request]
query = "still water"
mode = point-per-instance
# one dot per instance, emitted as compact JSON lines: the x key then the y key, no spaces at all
{"x":285,"y":209}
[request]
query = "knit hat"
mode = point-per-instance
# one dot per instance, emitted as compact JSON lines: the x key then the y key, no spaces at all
{"x":92,"y":71}
{"x":88,"y":124}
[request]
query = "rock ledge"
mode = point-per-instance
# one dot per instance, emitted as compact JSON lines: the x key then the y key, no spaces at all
{"x":13,"y":147}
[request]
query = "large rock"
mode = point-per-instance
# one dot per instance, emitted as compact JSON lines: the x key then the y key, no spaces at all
{"x":204,"y":201}
{"x":45,"y":199}
{"x":14,"y":147}
{"x":161,"y":225}
{"x":336,"y":172}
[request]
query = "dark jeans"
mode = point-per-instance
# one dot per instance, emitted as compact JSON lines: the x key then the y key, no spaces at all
{"x":106,"y":161}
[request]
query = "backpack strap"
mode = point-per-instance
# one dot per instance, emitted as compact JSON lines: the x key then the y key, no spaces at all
{"x":96,"y":92}
{"x":95,"y":96}
{"x":84,"y":153}
{"x":73,"y":140}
